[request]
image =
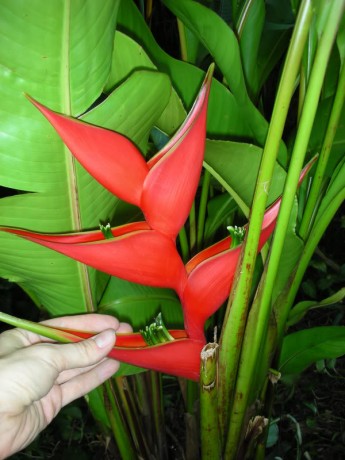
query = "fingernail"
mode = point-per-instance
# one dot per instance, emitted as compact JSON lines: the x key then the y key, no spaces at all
{"x":104,"y":338}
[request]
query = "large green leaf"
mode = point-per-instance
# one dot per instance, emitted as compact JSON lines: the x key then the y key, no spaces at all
{"x":222,"y":44}
{"x":275,"y":39}
{"x":63,"y":196}
{"x":249,"y":30}
{"x":140,"y":304}
{"x":225,"y":114}
{"x":303,"y":348}
{"x":235,"y":165}
{"x":129,"y":55}
{"x":42,"y":54}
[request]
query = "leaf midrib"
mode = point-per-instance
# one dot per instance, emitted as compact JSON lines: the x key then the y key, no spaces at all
{"x":70,"y":162}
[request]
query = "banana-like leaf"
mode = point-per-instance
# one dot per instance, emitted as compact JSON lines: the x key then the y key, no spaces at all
{"x":303,"y":348}
{"x":222,"y":44}
{"x":301,"y":309}
{"x":235,"y":165}
{"x":59,"y":54}
{"x":139,"y":305}
{"x":225,"y":114}
{"x":129,"y":55}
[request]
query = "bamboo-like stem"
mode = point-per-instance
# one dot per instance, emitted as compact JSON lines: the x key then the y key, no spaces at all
{"x":236,"y":314}
{"x":202,"y":209}
{"x":256,"y":328}
{"x":324,"y":156}
{"x":210,"y":439}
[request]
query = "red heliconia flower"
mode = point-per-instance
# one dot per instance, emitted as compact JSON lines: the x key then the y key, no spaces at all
{"x":145,"y":252}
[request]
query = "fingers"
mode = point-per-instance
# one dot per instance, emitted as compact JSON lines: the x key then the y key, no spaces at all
{"x":91,"y":322}
{"x":16,"y":339}
{"x":84,"y":383}
{"x":81,"y":354}
{"x":13,"y":340}
{"x":124,"y":328}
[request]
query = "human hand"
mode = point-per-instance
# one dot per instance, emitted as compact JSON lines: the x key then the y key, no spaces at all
{"x":39,"y":378}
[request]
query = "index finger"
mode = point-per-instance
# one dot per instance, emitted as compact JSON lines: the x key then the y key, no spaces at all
{"x":17,"y":338}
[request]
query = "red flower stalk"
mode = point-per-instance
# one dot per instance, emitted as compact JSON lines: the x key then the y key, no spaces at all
{"x":145,"y":252}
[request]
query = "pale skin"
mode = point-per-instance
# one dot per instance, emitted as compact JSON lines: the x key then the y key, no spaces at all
{"x":39,"y":378}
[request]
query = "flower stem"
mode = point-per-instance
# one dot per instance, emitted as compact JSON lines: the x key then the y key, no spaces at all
{"x":117,"y":423}
{"x":184,"y":244}
{"x":324,"y":156}
{"x":202,"y":208}
{"x":210,"y":439}
{"x":40,"y":329}
{"x":236,"y":314}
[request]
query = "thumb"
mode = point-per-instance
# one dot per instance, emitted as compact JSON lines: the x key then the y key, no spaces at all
{"x":84,"y":353}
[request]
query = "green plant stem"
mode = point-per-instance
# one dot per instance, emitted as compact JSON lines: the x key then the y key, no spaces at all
{"x":256,"y":329}
{"x":236,"y":314}
{"x":209,"y":429}
{"x":202,"y":208}
{"x":183,"y":41}
{"x":324,"y":156}
{"x":158,"y":413}
{"x":192,"y":228}
{"x":40,"y":329}
{"x":184,"y":244}
{"x":117,"y":423}
{"x":131,"y":414}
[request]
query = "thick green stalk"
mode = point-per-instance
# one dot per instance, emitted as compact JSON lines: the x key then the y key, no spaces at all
{"x":209,"y":428}
{"x":324,"y":156}
{"x":202,"y":209}
{"x":261,"y":308}
{"x":235,"y":318}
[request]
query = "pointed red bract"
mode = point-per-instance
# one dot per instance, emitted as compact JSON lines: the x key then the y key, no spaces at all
{"x":179,"y":357}
{"x":108,"y":156}
{"x":211,"y":273}
{"x":208,"y":286}
{"x":82,"y":237}
{"x":143,"y":256}
{"x":170,"y":186}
